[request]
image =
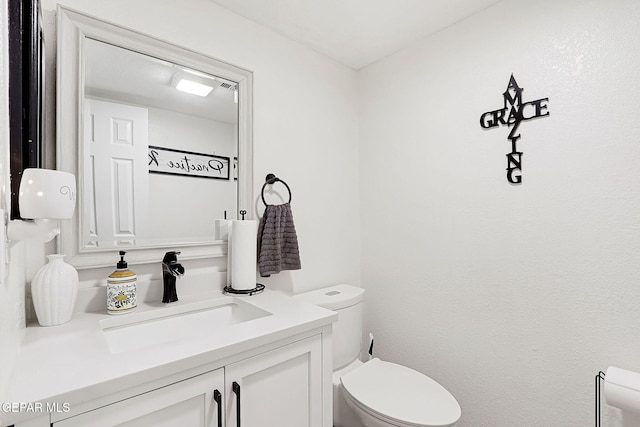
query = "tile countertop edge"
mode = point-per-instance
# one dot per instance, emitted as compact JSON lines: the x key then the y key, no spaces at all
{"x":94,"y":380}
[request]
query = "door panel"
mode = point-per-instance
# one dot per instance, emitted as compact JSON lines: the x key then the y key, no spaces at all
{"x":187,"y":403}
{"x":116,"y":181}
{"x":282,"y":387}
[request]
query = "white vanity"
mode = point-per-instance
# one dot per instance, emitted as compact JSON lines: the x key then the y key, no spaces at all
{"x":206,"y":360}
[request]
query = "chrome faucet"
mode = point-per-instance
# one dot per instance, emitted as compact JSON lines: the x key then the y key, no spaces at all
{"x":170,"y":270}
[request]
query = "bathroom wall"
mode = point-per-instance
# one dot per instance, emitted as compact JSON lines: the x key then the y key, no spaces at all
{"x":512,"y":296}
{"x":305,"y":126}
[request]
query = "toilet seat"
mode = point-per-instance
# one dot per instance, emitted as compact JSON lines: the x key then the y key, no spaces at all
{"x":400,"y":395}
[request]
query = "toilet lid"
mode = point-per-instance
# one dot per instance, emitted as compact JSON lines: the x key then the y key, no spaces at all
{"x":401,"y":394}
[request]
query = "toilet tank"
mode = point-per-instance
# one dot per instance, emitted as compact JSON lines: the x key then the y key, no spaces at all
{"x":346,"y":300}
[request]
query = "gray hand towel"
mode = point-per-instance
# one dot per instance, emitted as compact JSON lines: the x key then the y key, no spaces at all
{"x":277,"y":241}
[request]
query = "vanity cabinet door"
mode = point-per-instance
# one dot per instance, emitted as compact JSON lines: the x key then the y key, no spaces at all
{"x":191,"y":402}
{"x":282,"y":387}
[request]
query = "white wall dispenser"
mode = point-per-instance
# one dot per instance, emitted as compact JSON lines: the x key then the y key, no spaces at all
{"x":45,"y":196}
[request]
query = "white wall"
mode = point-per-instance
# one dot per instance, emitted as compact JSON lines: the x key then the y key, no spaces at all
{"x":305,"y":125}
{"x":513,"y":297}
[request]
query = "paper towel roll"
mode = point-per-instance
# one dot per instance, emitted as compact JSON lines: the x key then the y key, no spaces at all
{"x":244,"y":254}
{"x":223,"y":232}
{"x":222,"y":229}
{"x":229,"y":231}
{"x":622,"y":389}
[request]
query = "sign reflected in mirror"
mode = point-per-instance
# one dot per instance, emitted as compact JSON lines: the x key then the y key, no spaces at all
{"x":179,"y":162}
{"x":152,"y":122}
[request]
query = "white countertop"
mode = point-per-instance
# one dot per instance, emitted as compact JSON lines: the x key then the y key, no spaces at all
{"x":72,"y":363}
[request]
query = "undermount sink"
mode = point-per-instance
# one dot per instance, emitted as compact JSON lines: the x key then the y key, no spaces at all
{"x":176,"y":323}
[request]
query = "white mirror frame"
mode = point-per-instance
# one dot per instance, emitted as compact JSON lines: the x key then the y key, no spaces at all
{"x":73,"y":28}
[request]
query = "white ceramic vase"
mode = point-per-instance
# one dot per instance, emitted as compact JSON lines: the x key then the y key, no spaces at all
{"x":54,"y":290}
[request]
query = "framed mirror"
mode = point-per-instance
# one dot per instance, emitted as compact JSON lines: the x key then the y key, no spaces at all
{"x":156,"y":162}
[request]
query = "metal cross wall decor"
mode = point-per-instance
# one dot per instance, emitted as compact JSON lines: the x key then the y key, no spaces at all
{"x":512,"y":114}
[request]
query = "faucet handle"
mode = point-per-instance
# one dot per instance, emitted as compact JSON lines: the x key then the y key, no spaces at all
{"x":171,"y":257}
{"x":177,"y":270}
{"x":170,"y":262}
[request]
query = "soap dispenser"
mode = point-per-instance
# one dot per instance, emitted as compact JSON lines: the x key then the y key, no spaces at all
{"x":121,"y":289}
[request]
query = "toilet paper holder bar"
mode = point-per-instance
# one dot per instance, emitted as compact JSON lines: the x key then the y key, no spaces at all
{"x":599,"y":378}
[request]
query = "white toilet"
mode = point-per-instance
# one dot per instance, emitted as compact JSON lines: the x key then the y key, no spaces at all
{"x":376,"y":393}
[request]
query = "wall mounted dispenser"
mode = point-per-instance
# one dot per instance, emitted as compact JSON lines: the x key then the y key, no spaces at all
{"x":45,"y":196}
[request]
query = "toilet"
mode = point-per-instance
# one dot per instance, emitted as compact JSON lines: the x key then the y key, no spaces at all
{"x":376,"y":393}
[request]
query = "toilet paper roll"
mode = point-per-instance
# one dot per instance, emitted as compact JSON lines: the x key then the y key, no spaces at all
{"x":622,"y":389}
{"x":222,"y":229}
{"x":243,"y":254}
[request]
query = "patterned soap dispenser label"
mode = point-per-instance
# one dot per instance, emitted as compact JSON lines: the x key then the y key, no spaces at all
{"x":121,"y":295}
{"x":121,"y":289}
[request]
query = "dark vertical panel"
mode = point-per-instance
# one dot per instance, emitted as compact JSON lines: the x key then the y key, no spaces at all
{"x":26,"y":78}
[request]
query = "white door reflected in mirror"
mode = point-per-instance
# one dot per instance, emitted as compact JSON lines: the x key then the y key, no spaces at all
{"x":116,"y":181}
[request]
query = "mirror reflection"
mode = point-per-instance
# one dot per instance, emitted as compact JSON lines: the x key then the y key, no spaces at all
{"x":159,"y":150}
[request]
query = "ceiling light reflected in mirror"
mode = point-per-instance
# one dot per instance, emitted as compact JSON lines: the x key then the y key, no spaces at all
{"x":194,"y":88}
{"x":194,"y":82}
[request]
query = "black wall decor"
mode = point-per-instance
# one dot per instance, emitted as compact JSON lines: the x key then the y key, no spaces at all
{"x":512,"y":114}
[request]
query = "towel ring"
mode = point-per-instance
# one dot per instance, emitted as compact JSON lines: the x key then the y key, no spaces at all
{"x":272,"y":179}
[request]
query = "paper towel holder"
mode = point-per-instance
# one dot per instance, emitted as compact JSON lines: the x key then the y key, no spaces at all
{"x":247,"y":292}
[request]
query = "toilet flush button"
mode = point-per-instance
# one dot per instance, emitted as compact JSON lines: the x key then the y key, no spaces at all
{"x":332,"y":293}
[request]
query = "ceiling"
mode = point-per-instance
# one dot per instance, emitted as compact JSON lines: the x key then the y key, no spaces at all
{"x":356,"y":32}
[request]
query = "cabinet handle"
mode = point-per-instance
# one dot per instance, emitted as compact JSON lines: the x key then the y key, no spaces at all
{"x":236,"y":390}
{"x":217,"y":396}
